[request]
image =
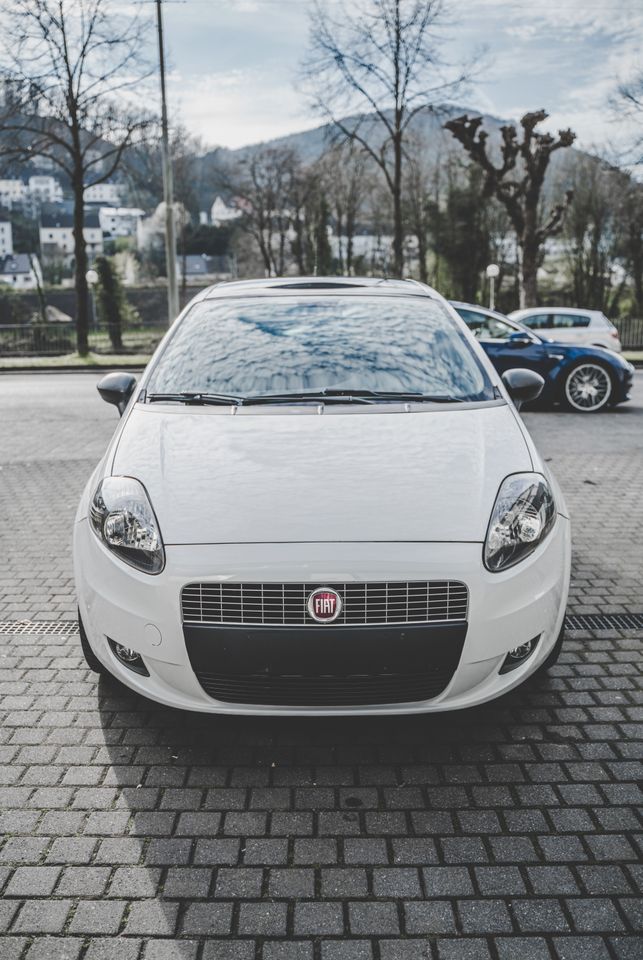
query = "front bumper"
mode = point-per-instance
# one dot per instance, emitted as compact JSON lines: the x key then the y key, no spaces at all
{"x":144,"y":612}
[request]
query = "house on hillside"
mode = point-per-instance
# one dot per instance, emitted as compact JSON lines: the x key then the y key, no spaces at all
{"x":222,"y":213}
{"x":104,"y":193}
{"x":119,"y":221}
{"x":12,"y":193}
{"x":44,"y":189}
{"x":57,"y":237}
{"x":6,"y":235}
{"x":20,"y":271}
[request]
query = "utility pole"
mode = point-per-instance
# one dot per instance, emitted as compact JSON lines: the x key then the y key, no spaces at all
{"x":168,"y":188}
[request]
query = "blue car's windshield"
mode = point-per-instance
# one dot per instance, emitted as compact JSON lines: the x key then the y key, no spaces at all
{"x":250,"y":346}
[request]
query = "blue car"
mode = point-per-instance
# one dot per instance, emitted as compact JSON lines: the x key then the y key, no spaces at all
{"x":581,"y":378}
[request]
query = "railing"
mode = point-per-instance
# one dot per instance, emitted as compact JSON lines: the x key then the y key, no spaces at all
{"x":630,"y":330}
{"x":58,"y":339}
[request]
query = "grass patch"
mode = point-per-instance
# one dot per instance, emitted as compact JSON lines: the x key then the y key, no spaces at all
{"x":97,"y":360}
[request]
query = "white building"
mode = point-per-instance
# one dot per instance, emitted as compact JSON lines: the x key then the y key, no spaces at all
{"x":12,"y":193}
{"x":119,"y":221}
{"x":107,"y":193}
{"x":57,"y":234}
{"x":19,"y":270}
{"x":221,"y":213}
{"x":6,"y":238}
{"x":44,"y":189}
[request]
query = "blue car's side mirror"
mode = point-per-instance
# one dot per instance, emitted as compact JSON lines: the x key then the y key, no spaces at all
{"x":519,"y":339}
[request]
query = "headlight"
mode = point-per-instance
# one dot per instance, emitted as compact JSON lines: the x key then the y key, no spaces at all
{"x":523,"y":515}
{"x":122,"y":516}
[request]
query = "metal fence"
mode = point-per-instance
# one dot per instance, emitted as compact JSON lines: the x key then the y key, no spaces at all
{"x":58,"y":339}
{"x":631,"y":332}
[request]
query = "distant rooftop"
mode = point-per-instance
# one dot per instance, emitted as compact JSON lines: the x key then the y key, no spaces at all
{"x":14,"y":263}
{"x":62,"y":215}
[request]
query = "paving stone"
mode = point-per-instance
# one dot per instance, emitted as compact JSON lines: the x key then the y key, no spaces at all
{"x":318,"y":919}
{"x":42,"y":916}
{"x":52,"y":948}
{"x":374,"y":919}
{"x":429,"y":917}
{"x":97,"y":917}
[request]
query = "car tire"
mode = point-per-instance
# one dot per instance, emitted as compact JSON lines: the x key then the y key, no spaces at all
{"x":91,"y":659}
{"x":583,"y":377}
{"x":554,"y":654}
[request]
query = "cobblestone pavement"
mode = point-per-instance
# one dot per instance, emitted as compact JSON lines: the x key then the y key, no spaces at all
{"x":131,"y":831}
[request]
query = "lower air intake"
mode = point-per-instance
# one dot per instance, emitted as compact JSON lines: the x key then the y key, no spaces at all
{"x":324,"y":691}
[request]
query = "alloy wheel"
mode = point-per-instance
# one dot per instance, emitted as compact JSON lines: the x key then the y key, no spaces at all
{"x":588,"y":387}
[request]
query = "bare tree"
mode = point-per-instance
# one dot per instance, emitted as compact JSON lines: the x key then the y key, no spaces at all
{"x":263,"y":186}
{"x":379,"y":60}
{"x":348,"y":178}
{"x":64,"y":63}
{"x":517,"y":183}
{"x":627,"y":104}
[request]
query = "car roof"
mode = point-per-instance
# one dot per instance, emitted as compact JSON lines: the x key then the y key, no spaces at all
{"x":280,"y":285}
{"x":574,"y":310}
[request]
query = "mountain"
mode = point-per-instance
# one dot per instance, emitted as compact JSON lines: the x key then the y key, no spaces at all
{"x":427,"y":127}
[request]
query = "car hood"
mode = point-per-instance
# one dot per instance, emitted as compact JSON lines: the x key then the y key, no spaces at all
{"x":297,"y":476}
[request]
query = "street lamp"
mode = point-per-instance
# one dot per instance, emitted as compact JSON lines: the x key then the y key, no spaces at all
{"x":92,"y":279}
{"x":493,"y":271}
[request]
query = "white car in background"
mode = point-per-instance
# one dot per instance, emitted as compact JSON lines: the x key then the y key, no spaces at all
{"x":321,"y":499}
{"x":570,"y":325}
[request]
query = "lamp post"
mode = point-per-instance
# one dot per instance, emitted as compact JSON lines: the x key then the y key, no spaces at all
{"x":168,"y":189}
{"x":92,"y":279}
{"x":493,"y":271}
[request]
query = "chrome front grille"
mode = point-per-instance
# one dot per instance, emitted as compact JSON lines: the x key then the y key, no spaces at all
{"x":284,"y":604}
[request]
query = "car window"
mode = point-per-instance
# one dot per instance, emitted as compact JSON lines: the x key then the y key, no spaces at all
{"x":262,"y":345}
{"x":484,"y":327}
{"x":537,"y":321}
{"x":569,"y":320}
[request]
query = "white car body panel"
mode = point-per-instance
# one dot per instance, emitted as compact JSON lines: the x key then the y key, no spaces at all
{"x":265,"y":477}
{"x":505,"y":609}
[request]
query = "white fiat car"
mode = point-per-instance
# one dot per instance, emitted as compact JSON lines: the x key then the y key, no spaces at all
{"x":321,"y":499}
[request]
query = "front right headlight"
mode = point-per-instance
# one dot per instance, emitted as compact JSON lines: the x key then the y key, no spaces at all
{"x":522,"y":516}
{"x":122,"y":517}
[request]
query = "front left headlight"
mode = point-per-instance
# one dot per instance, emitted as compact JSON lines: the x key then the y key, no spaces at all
{"x":122,"y":517}
{"x":522,"y":516}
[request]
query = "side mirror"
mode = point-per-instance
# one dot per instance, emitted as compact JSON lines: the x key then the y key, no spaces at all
{"x":519,"y":339}
{"x":523,"y":385}
{"x":117,"y":388}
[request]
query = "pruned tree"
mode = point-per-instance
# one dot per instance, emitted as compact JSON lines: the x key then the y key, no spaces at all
{"x":517,"y":183}
{"x":67,"y":67}
{"x":379,"y":61}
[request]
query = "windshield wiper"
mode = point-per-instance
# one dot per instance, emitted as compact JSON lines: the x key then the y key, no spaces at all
{"x":350,"y":396}
{"x":317,"y":396}
{"x":203,"y":399}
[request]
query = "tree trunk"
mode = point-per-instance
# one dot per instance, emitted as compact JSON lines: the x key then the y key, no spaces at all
{"x":528,"y":257}
{"x":80,"y":282}
{"x":398,"y":224}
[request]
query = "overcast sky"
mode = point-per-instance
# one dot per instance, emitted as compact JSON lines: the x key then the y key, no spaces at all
{"x":234,"y":63}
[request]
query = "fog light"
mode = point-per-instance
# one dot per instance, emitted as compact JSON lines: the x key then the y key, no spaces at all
{"x":129,"y":658}
{"x":518,"y":655}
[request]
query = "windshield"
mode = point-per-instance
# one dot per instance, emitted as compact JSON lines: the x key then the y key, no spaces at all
{"x":275,"y":345}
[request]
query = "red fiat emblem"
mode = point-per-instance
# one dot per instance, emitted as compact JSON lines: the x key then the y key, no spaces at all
{"x":324,"y":605}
